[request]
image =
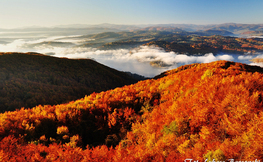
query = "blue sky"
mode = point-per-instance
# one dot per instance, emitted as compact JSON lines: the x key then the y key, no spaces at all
{"x":20,"y":13}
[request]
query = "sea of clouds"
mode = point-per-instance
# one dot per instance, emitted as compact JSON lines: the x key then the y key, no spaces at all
{"x":136,"y":60}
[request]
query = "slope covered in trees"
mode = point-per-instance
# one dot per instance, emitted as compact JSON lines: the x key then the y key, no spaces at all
{"x":215,"y":44}
{"x":199,"y":111}
{"x":199,"y":42}
{"x":30,"y":79}
{"x":131,"y":39}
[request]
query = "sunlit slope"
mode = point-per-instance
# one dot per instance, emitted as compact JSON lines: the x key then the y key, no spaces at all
{"x":200,"y":111}
{"x":28,"y":79}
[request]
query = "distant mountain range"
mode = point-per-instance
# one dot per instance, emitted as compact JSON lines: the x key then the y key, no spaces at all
{"x":76,"y":28}
{"x":254,"y":33}
{"x":230,"y":27}
{"x":168,"y":29}
{"x":238,"y":28}
{"x":175,"y":39}
{"x":218,"y":32}
{"x":179,"y":38}
{"x":179,"y":30}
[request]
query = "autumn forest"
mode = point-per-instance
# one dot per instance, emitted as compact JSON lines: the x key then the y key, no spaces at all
{"x":198,"y":111}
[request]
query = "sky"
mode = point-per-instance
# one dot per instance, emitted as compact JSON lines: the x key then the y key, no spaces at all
{"x":23,"y":13}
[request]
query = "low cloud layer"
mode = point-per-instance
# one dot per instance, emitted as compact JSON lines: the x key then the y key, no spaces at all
{"x":136,"y":60}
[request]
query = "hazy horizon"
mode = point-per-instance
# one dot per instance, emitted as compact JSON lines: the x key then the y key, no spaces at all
{"x":49,"y":13}
{"x":101,"y":24}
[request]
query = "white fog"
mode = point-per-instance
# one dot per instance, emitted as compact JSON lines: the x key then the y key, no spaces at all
{"x":135,"y":60}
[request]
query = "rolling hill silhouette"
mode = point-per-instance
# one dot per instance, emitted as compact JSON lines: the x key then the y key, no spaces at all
{"x":30,"y":79}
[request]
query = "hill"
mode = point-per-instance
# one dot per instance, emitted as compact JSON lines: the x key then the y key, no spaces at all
{"x":30,"y":79}
{"x":194,"y":45}
{"x":199,"y":111}
{"x":253,"y":33}
{"x":237,"y":28}
{"x":161,"y":28}
{"x":174,"y":39}
{"x":218,"y":32}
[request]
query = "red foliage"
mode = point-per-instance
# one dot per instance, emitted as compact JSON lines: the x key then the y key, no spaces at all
{"x":198,"y":111}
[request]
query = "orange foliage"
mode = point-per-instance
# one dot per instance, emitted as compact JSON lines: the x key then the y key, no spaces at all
{"x":197,"y":111}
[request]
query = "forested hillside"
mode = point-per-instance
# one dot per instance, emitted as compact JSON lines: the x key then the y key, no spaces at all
{"x":199,"y":111}
{"x":215,"y":44}
{"x":199,"y":42}
{"x":30,"y":79}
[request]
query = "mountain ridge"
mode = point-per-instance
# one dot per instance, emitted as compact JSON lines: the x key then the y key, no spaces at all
{"x":231,"y":27}
{"x":200,"y":111}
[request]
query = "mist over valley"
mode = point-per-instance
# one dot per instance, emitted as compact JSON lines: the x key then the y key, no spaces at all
{"x":135,"y":49}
